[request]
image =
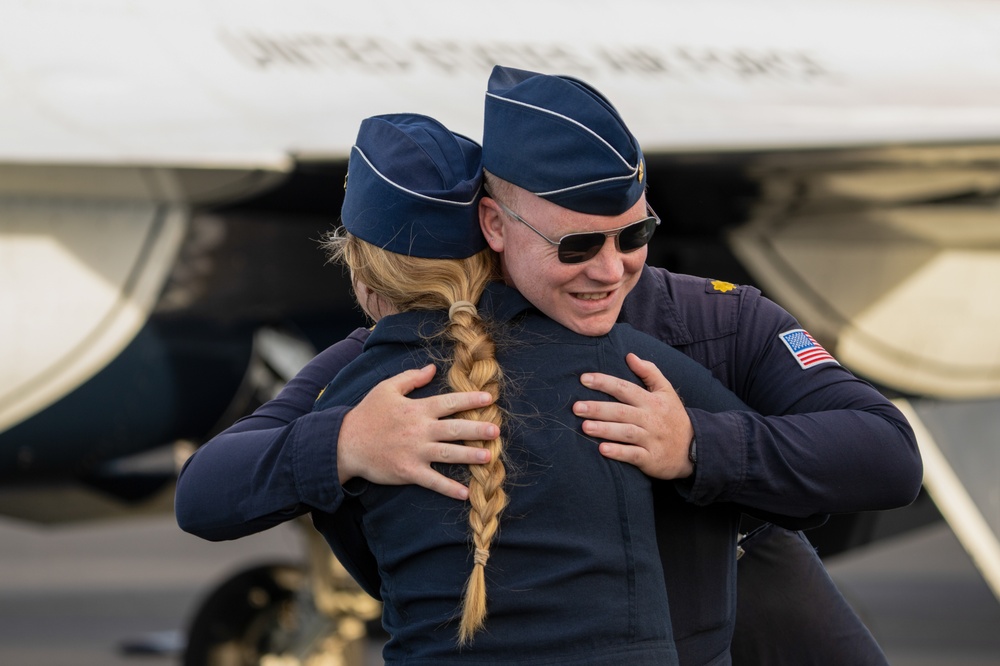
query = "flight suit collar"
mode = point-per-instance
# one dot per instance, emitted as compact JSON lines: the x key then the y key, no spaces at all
{"x":650,"y":306}
{"x":498,"y":303}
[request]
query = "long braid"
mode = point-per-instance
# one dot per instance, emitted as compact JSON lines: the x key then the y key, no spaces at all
{"x":413,"y":283}
{"x":475,"y":368}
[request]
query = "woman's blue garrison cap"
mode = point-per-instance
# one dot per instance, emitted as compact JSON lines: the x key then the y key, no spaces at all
{"x":560,"y":139}
{"x":413,"y":187}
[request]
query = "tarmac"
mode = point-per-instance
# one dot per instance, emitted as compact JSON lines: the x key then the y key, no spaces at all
{"x":122,"y":593}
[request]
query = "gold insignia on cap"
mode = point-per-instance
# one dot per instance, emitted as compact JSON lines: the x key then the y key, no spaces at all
{"x":722,"y":286}
{"x":641,"y":171}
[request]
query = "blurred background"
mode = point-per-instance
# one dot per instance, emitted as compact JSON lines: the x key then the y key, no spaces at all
{"x":167,"y":168}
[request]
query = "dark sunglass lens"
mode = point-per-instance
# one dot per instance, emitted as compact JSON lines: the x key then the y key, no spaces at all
{"x":635,"y":236}
{"x":578,"y":248}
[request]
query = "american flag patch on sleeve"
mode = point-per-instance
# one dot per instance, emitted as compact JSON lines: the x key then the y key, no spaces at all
{"x":805,"y":349}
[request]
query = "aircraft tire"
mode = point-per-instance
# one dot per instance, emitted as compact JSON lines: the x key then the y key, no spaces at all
{"x":245,"y":618}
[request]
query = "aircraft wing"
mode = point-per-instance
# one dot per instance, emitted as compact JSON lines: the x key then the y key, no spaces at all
{"x":222,"y":82}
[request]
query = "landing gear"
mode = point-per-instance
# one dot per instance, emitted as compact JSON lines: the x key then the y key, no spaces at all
{"x":250,"y":616}
{"x":287,"y":615}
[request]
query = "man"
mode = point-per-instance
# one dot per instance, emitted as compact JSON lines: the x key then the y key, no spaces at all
{"x":567,"y":183}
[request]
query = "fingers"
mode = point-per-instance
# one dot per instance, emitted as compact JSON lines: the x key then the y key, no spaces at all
{"x":392,"y":439}
{"x":409,"y":380}
{"x":454,"y":430}
{"x":633,"y":455}
{"x":449,"y":404}
{"x":434,"y":481}
{"x":611,"y":420}
{"x":625,"y":391}
{"x":648,"y":373}
{"x":620,"y":389}
{"x":649,"y":429}
{"x":615,"y":431}
{"x":438,"y":406}
{"x":607,"y":411}
{"x":457,"y":454}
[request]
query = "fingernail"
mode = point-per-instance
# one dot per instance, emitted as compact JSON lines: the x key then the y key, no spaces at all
{"x":580,"y":408}
{"x":482,"y":456}
{"x":586,"y":379}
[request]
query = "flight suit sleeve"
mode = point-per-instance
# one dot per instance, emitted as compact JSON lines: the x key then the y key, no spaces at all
{"x":272,"y":466}
{"x":821,"y":440}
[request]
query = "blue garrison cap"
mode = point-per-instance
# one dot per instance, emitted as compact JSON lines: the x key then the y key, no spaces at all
{"x":413,"y":187}
{"x":560,"y":139}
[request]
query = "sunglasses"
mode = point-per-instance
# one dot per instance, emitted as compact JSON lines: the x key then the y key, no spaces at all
{"x":583,"y":246}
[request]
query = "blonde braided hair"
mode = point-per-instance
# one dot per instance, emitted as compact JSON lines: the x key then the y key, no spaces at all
{"x":415,"y":283}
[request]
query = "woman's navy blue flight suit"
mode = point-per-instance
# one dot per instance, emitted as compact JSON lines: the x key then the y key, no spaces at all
{"x":574,"y":576}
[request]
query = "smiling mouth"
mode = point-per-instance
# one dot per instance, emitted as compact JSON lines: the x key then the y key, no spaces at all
{"x":593,"y":296}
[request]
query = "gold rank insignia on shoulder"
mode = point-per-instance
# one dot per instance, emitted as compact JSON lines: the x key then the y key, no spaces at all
{"x":641,"y":171}
{"x":722,"y":286}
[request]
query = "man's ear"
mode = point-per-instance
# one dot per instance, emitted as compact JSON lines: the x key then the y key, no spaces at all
{"x":491,"y":221}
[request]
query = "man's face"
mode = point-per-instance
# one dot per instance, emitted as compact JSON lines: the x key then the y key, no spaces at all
{"x":585,"y":297}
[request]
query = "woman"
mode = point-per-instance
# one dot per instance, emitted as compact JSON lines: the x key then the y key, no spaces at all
{"x":563,"y":564}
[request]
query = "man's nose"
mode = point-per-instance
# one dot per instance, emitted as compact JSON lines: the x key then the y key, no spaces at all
{"x":607,"y":265}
